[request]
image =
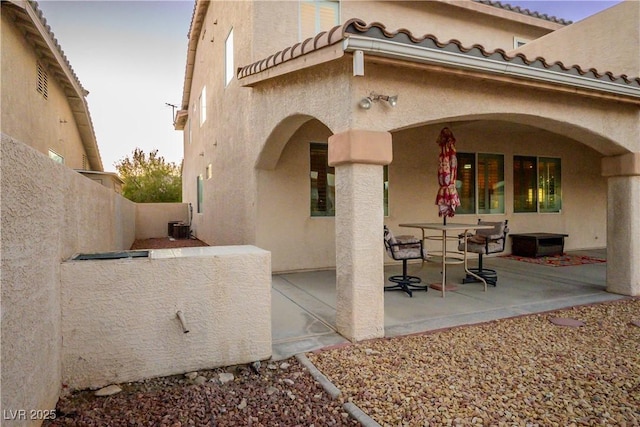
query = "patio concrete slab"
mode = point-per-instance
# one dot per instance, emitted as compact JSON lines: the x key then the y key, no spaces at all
{"x":304,"y":303}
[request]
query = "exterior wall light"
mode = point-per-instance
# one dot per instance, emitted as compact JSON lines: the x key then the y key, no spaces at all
{"x":365,"y":103}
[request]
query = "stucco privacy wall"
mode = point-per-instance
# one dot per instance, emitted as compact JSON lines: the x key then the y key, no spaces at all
{"x":152,"y":218}
{"x":48,"y":213}
{"x":119,"y":317}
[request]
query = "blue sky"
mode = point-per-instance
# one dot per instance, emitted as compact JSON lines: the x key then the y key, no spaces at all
{"x":571,"y":10}
{"x":131,"y":56}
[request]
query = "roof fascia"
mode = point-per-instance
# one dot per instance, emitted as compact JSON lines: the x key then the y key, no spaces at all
{"x":199,"y":14}
{"x":320,"y":56}
{"x":394,"y":50}
{"x":55,"y":51}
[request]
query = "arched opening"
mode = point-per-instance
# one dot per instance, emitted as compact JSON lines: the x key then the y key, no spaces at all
{"x":286,"y":221}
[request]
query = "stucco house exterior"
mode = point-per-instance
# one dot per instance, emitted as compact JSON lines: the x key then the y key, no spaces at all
{"x":284,"y":150}
{"x":40,"y":88}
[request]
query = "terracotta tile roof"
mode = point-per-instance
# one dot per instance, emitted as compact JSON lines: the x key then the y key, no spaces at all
{"x":378,"y":31}
{"x":527,"y":12}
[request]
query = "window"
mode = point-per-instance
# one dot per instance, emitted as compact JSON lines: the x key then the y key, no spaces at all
{"x":203,"y":105}
{"x":200,"y":191}
{"x":317,"y":16}
{"x":56,"y":157}
{"x":323,"y":186}
{"x":490,"y":183}
{"x":549,"y":180}
{"x":466,"y":183}
{"x":518,"y":42}
{"x":42,"y":85}
{"x":228,"y":59}
{"x":480,"y":183}
{"x":323,"y":190}
{"x":536,"y":184}
{"x":209,"y":171}
{"x":525,"y":197}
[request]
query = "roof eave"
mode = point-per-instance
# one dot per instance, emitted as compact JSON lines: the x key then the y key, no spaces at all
{"x":447,"y":59}
{"x":317,"y":57}
{"x":199,"y":13}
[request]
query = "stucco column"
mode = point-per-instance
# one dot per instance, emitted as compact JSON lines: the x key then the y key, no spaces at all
{"x":358,"y":157}
{"x":623,"y":223}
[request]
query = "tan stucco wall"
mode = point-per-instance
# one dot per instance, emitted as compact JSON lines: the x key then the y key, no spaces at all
{"x":623,"y":272}
{"x":445,"y":21}
{"x":119,"y":318}
{"x":607,"y":41}
{"x":152,"y":218}
{"x":229,"y":196}
{"x":49,"y":212}
{"x":41,"y":123}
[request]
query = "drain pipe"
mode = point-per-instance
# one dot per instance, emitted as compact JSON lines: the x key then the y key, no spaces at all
{"x":183,"y":322}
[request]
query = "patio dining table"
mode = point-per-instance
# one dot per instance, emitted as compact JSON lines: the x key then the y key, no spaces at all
{"x":444,"y":229}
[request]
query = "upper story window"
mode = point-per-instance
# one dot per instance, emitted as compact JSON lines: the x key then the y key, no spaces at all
{"x":42,"y":85}
{"x":228,"y":59}
{"x":317,"y":16}
{"x":203,"y":105}
{"x":56,"y":157}
{"x":518,"y":41}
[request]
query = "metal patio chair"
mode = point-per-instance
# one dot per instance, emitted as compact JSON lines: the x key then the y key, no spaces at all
{"x":485,"y":242}
{"x":404,"y":248}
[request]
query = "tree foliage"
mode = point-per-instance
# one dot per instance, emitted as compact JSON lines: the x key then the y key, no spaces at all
{"x":150,"y":179}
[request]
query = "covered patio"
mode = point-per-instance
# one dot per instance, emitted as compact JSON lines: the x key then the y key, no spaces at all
{"x":304,"y":303}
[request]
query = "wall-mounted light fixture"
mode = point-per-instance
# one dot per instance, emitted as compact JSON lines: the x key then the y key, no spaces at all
{"x":365,"y":103}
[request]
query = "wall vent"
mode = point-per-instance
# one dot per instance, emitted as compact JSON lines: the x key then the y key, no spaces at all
{"x":43,"y":82}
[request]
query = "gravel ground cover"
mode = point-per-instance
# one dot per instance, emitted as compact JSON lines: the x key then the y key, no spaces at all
{"x":279,"y":394}
{"x":524,"y":371}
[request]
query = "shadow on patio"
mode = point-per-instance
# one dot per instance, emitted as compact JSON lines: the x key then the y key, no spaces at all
{"x":303,"y":304}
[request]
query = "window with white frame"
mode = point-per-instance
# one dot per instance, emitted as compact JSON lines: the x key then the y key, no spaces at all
{"x":203,"y":105}
{"x":228,"y":59}
{"x":56,"y":157}
{"x":480,"y":183}
{"x":537,"y":184}
{"x":317,"y":16}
